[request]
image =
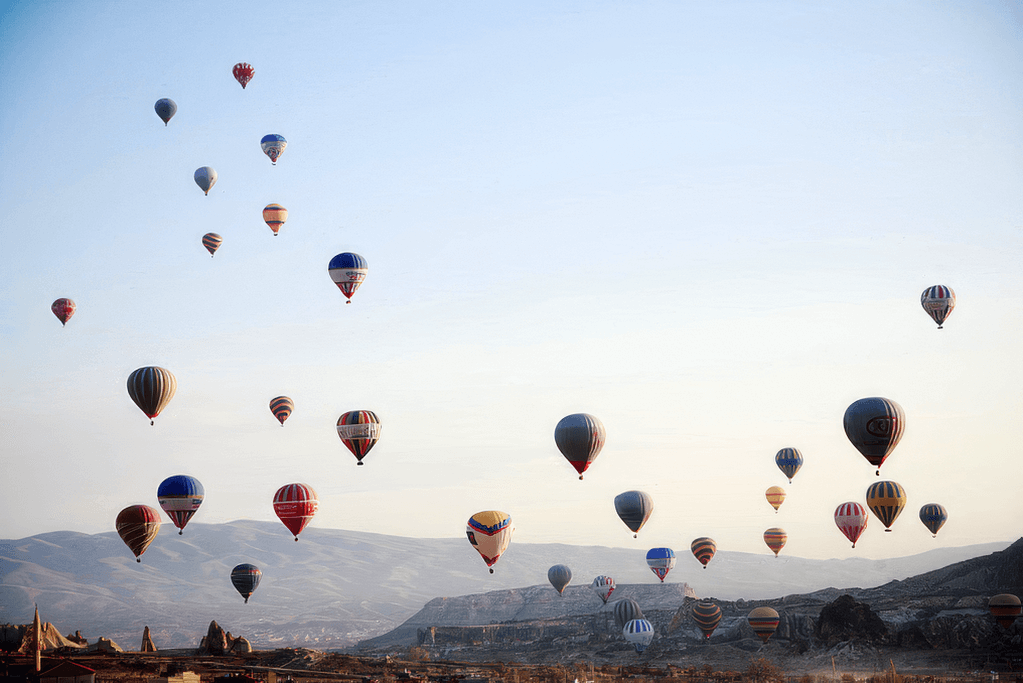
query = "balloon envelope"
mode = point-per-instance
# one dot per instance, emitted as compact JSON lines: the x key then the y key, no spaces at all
{"x":165,"y":109}
{"x":603,"y":586}
{"x":874,"y":426}
{"x":180,"y":496}
{"x":137,"y":525}
{"x":63,"y":309}
{"x":934,"y":517}
{"x":243,"y":73}
{"x":281,"y":407}
{"x":789,"y":460}
{"x":212,"y":242}
{"x":938,"y":301}
{"x":273,"y":146}
{"x":348,"y":271}
{"x":245,"y":578}
{"x":704,"y":548}
{"x":559,"y":575}
{"x":775,"y":539}
{"x":851,"y":520}
{"x":639,"y":632}
{"x":634,"y":508}
{"x":625,"y":610}
{"x":205,"y":178}
{"x":886,"y":500}
{"x":775,"y":496}
{"x":764,"y":622}
{"x":661,"y":561}
{"x":359,"y":430}
{"x":1005,"y":608}
{"x":707,"y":616}
{"x":295,"y":505}
{"x":579,"y":437}
{"x":490,"y":532}
{"x":152,"y":388}
{"x":275,"y":216}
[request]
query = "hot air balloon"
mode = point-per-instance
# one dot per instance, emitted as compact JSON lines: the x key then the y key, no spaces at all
{"x":661,"y":561}
{"x":789,"y":460}
{"x":243,"y":73}
{"x":763,"y":621}
{"x":704,"y":548}
{"x":490,"y":533}
{"x":63,"y":309}
{"x":137,"y":525}
{"x":579,"y":437}
{"x":152,"y":388}
{"x":212,"y":242}
{"x":559,"y":575}
{"x":625,"y":610}
{"x":281,"y":407}
{"x":775,"y":539}
{"x":874,"y":426}
{"x":273,"y":146}
{"x":295,"y":505}
{"x":707,"y":616}
{"x":245,"y":578}
{"x":775,"y":496}
{"x":205,"y":178}
{"x":359,"y":431}
{"x":639,"y":632}
{"x":165,"y":109}
{"x":1005,"y":608}
{"x":348,"y":270}
{"x":851,"y":520}
{"x":886,"y":500}
{"x":603,"y":586}
{"x":180,"y":496}
{"x":275,"y":215}
{"x":634,"y":508}
{"x":938,"y":301}
{"x":934,"y":517}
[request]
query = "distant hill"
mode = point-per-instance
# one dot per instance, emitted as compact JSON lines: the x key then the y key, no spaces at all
{"x":943,"y":610}
{"x":334,"y":588}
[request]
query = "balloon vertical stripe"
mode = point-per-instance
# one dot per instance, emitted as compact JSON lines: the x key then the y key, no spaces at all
{"x":152,"y":388}
{"x":933,"y":517}
{"x":886,"y":500}
{"x":789,"y":460}
{"x":851,"y":520}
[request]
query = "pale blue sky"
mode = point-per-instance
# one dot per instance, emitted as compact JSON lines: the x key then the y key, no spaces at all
{"x":707,"y":224}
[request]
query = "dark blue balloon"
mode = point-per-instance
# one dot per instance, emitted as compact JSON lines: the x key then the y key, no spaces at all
{"x":165,"y":109}
{"x":245,"y":578}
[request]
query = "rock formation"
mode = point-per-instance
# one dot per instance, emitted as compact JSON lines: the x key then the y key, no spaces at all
{"x":17,"y":637}
{"x":77,"y":638}
{"x":147,"y":642}
{"x":217,"y":642}
{"x":105,"y":645}
{"x":846,"y":619}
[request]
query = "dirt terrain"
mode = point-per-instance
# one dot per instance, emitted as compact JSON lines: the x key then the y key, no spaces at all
{"x":311,"y":666}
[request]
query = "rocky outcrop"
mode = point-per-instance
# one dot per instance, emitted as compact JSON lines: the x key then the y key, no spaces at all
{"x":17,"y":637}
{"x":240,"y":645}
{"x":78,"y":639}
{"x":846,"y":619}
{"x":147,"y":642}
{"x":105,"y":645}
{"x":218,"y":642}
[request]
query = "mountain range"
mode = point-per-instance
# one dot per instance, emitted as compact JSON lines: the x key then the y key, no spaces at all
{"x":334,"y":588}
